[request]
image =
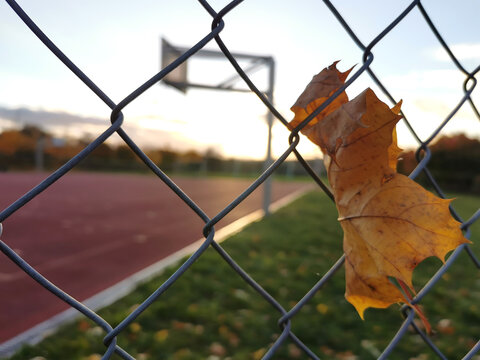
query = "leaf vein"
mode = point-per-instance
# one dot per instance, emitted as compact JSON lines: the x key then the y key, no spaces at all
{"x":357,"y":217}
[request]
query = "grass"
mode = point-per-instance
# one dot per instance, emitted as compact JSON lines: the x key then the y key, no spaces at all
{"x":210,"y":313}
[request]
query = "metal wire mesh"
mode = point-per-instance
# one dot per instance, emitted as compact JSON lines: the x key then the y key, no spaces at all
{"x":286,"y":316}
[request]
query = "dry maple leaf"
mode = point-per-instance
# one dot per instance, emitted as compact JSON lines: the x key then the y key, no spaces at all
{"x":320,"y":88}
{"x":390,"y":223}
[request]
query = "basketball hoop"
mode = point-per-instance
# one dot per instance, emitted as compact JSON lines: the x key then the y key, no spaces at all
{"x":178,"y":78}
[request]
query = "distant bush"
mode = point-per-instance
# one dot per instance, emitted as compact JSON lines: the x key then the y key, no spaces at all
{"x":455,"y":163}
{"x":31,"y":148}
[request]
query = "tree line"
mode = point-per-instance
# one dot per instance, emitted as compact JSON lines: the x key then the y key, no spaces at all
{"x":454,"y":163}
{"x":32,"y":148}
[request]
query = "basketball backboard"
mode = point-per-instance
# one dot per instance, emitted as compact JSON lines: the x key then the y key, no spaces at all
{"x":178,"y":77}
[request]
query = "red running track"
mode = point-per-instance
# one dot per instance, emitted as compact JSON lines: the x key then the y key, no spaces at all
{"x":89,"y":231}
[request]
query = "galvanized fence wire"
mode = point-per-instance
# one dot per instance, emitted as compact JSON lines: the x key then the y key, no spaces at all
{"x":423,"y":156}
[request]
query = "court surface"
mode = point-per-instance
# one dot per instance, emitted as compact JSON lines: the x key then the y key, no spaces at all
{"x":89,"y":231}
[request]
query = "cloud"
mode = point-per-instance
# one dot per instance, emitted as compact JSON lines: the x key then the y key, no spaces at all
{"x":432,"y":105}
{"x":44,"y":119}
{"x":426,"y":81}
{"x":463,"y":52}
{"x":155,"y":139}
{"x":63,"y":123}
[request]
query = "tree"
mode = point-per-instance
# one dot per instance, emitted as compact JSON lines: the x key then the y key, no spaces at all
{"x":455,"y":163}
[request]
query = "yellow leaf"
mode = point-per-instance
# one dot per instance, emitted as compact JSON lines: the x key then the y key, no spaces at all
{"x":390,"y":223}
{"x":322,"y":86}
{"x":94,"y":357}
{"x":161,"y":335}
{"x":322,"y":308}
{"x":258,"y":354}
{"x":135,"y":327}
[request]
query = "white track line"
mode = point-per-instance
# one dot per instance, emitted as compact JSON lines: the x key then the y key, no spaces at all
{"x":108,"y":296}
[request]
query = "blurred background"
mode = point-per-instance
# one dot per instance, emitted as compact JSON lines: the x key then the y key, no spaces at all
{"x":47,"y":114}
{"x":125,"y":221}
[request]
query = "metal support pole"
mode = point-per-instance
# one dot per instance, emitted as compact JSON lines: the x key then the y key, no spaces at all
{"x":267,"y":185}
{"x":178,"y":79}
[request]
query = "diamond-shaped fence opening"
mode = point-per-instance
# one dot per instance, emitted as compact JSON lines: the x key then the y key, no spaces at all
{"x":286,"y":316}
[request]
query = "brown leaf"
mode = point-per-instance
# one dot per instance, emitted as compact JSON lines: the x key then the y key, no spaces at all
{"x":390,"y":223}
{"x":322,"y":86}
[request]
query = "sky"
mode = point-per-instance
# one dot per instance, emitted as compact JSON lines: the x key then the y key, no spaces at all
{"x":117,"y":44}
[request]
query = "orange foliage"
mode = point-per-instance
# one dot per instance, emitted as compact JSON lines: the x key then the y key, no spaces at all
{"x":12,"y":141}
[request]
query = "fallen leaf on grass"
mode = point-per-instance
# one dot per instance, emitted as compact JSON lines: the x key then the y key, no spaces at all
{"x":390,"y":223}
{"x":161,"y":335}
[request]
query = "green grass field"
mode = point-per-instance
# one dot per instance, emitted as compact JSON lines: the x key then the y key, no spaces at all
{"x":210,"y":313}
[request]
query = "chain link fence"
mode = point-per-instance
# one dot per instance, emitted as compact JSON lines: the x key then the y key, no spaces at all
{"x":286,"y":316}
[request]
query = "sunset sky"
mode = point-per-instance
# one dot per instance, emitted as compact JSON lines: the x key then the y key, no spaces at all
{"x":117,"y":44}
